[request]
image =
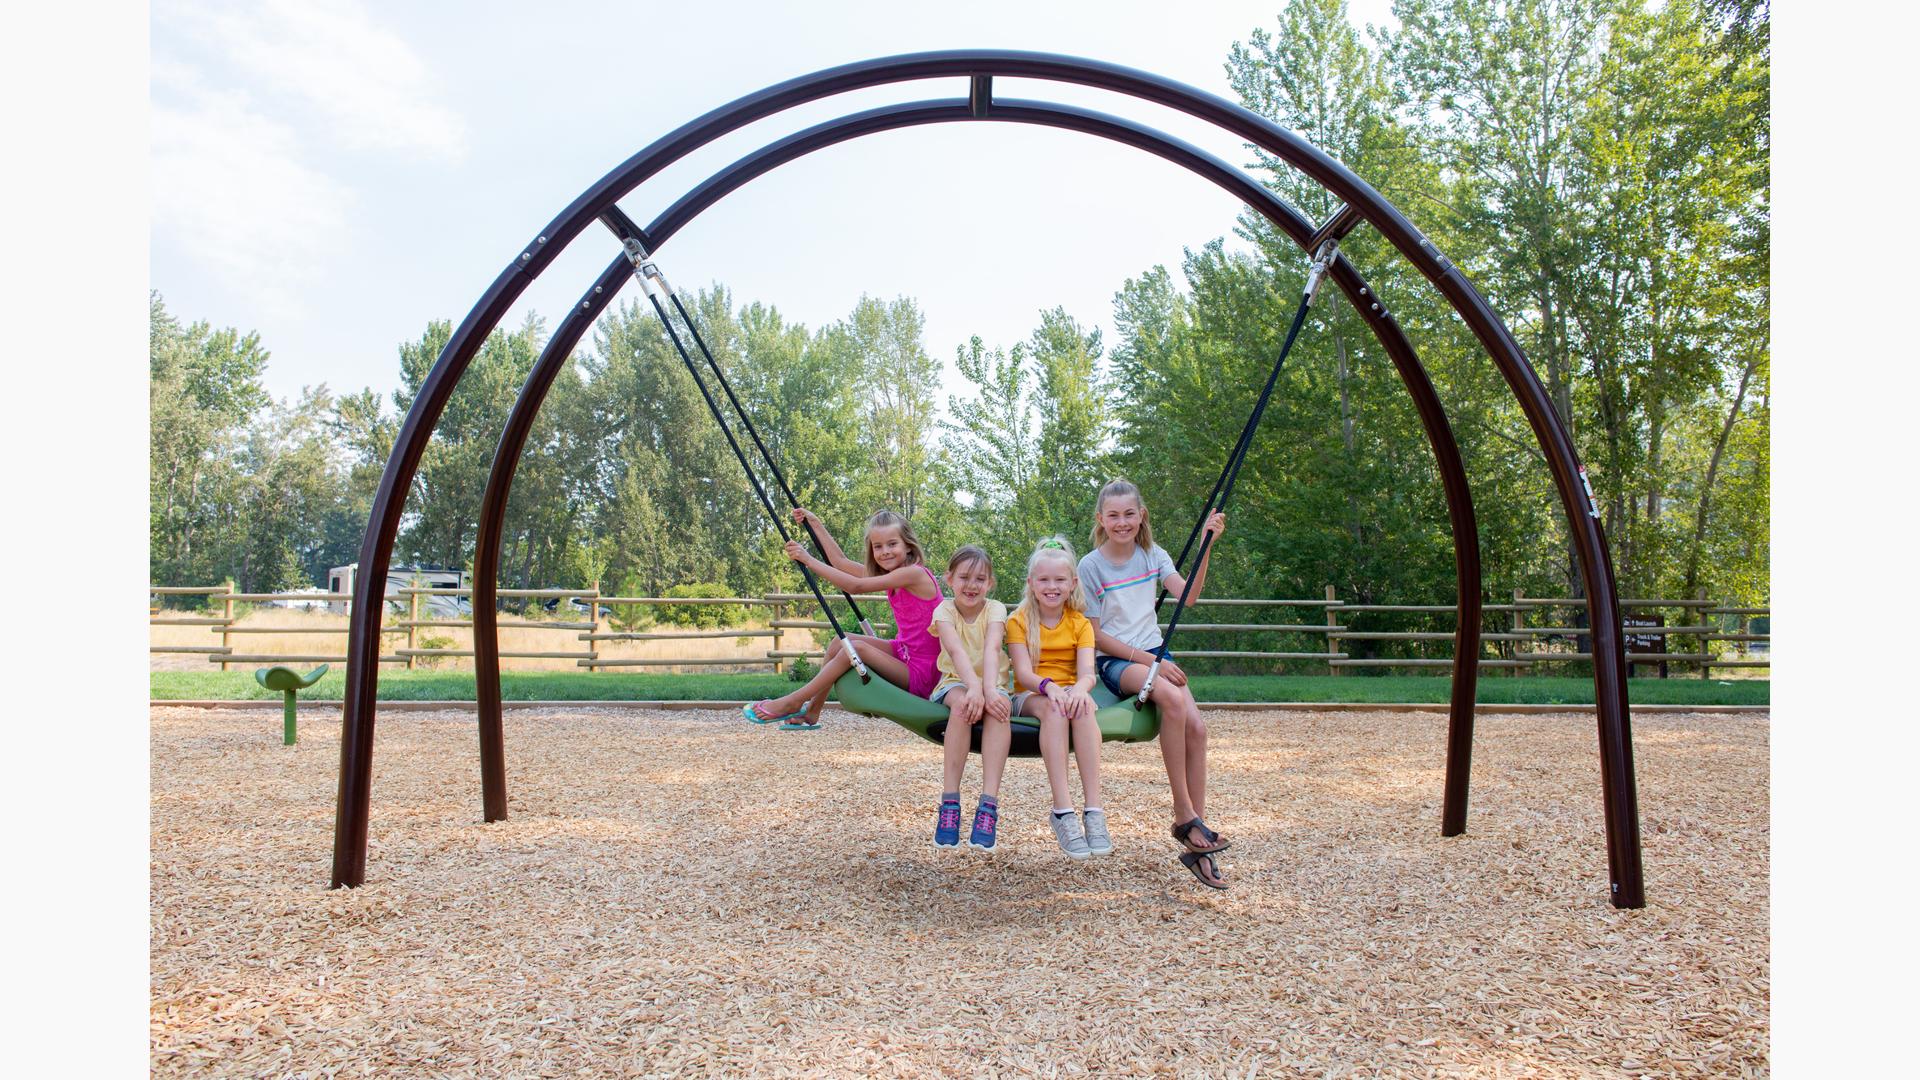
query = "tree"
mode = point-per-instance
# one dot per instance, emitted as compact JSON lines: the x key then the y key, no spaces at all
{"x":203,"y":387}
{"x":1074,"y":427}
{"x":994,"y":454}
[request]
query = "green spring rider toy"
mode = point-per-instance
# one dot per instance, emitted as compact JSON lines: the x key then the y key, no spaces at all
{"x":290,"y":682}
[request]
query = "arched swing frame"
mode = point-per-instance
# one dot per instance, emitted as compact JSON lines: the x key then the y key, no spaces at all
{"x":1360,"y":204}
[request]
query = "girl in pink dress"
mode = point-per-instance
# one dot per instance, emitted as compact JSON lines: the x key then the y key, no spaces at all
{"x":895,"y":562}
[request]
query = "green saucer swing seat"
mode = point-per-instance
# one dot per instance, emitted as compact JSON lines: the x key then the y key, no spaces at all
{"x":1119,"y":720}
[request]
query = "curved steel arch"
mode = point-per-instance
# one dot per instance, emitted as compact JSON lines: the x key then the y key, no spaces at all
{"x":1362,"y":204}
{"x":1235,"y":181}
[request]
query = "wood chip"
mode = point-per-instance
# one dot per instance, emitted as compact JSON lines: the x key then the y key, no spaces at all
{"x":679,"y":892}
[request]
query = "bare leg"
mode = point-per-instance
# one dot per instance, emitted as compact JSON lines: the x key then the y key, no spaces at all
{"x":1170,"y":701}
{"x":959,"y":740}
{"x":995,"y":741}
{"x":1086,"y":739}
{"x":836,"y":663}
{"x":832,"y":666}
{"x":1196,"y":756}
{"x":1053,"y":747}
{"x":880,"y":660}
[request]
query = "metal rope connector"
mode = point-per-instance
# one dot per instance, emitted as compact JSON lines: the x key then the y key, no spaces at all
{"x":644,"y":268}
{"x":1146,"y":688}
{"x":1322,"y":262}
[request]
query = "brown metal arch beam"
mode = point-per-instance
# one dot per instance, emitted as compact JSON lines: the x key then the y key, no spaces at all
{"x":1236,"y":182}
{"x":1595,"y":560}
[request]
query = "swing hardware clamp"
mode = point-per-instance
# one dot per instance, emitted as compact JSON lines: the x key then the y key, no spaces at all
{"x":1593,"y":505}
{"x":645,"y":268}
{"x":1146,"y":688}
{"x":1322,"y":262}
{"x":1341,"y":222}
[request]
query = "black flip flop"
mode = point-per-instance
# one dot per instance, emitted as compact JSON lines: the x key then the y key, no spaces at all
{"x":1192,"y":860}
{"x":1215,"y":844}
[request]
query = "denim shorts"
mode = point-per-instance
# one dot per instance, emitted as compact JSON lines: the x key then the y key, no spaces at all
{"x":1110,"y":668}
{"x":940,"y":692}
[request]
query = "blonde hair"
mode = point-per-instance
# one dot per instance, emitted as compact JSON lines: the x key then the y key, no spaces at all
{"x":1116,"y":489}
{"x":1052,"y":549}
{"x":884,"y":519}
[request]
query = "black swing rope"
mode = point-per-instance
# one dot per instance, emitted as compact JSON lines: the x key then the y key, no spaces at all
{"x":746,"y":421}
{"x":654,"y":284}
{"x":1223,"y":487}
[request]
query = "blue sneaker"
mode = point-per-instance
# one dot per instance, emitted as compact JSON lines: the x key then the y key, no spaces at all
{"x":946,"y":828}
{"x":985,"y":818}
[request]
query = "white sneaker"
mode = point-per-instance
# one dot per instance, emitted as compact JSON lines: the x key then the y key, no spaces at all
{"x":1098,"y":842}
{"x":1072,"y":838}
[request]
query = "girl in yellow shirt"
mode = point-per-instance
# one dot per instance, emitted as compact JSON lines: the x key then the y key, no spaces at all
{"x":972,"y":627}
{"x":1050,"y":642}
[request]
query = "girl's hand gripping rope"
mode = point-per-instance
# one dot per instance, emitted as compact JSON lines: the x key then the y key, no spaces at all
{"x":1215,"y":528}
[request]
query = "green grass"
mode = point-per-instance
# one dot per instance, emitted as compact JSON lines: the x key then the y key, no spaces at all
{"x":572,"y":686}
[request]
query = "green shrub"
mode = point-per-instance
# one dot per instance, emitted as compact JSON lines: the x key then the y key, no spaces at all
{"x":433,"y":641}
{"x":801,"y":671}
{"x":704,"y":616}
{"x":629,"y":617}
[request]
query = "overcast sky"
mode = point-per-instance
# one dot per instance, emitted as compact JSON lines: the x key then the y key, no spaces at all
{"x":336,"y":174}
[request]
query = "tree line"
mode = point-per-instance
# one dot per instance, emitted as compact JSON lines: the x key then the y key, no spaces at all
{"x":1598,"y":169}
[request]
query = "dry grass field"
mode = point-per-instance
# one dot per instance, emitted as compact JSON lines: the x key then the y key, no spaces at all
{"x":324,"y":636}
{"x":682,"y":894}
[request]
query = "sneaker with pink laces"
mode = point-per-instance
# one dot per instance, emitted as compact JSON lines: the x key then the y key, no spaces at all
{"x":986,"y":819}
{"x":946,"y":827}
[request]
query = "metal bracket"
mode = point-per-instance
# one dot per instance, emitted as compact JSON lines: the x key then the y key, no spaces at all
{"x":1336,"y":227}
{"x":980,"y":96}
{"x":1593,"y":507}
{"x":644,"y":268}
{"x":1322,"y":262}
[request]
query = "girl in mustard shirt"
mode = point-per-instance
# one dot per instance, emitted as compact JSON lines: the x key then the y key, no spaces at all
{"x":1050,"y":642}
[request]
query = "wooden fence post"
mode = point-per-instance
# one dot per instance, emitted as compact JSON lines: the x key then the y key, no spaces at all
{"x":1699,"y":617}
{"x":1333,"y":643}
{"x":226,"y":626}
{"x":1519,"y":624}
{"x":413,"y":628}
{"x":778,"y":607}
{"x":593,"y":616}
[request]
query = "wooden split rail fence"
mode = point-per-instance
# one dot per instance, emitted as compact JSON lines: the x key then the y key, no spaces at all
{"x":1520,"y":647}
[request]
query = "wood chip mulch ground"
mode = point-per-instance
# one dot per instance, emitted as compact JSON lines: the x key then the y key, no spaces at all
{"x":681,"y":893}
